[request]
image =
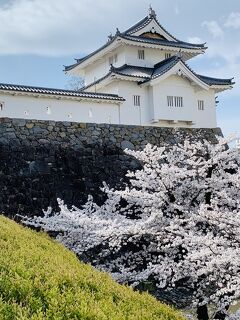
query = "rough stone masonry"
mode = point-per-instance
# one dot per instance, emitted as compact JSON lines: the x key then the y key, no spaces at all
{"x":41,"y":161}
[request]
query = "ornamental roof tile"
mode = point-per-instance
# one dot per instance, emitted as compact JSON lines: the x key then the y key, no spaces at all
{"x":59,"y":92}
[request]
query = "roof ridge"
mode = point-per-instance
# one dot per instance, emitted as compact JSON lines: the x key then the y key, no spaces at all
{"x":96,"y":81}
{"x":131,"y":66}
{"x":35,"y":87}
{"x":208,"y":77}
{"x":172,"y":58}
{"x":136,"y":25}
{"x":25,"y":88}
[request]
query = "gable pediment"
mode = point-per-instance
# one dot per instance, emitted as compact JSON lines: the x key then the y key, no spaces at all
{"x":179,"y":70}
{"x":153,"y":35}
{"x":152,"y":29}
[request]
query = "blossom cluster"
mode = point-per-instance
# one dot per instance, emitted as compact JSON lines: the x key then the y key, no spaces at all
{"x":176,"y":223}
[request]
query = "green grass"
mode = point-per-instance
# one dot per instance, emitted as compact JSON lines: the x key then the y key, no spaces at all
{"x":40,"y":279}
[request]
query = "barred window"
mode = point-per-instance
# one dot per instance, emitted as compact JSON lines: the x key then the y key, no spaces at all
{"x":137,"y":101}
{"x":170,"y":101}
{"x":141,"y":54}
{"x":178,"y":101}
{"x":173,"y":101}
{"x":167,"y":55}
{"x":201,"y":105}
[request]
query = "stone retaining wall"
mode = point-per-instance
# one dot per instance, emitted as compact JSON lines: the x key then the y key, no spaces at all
{"x":43,"y":160}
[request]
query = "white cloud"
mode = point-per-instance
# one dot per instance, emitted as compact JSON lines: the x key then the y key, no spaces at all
{"x":213,"y":28}
{"x":176,"y":9}
{"x":196,"y":40}
{"x":58,"y":27}
{"x":233,"y":20}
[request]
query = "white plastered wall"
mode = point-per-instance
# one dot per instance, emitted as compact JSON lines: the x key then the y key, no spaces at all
{"x":112,"y":88}
{"x":152,"y":56}
{"x":101,"y":67}
{"x":58,"y":109}
{"x":130,"y":114}
{"x":154,"y":103}
{"x":177,"y":86}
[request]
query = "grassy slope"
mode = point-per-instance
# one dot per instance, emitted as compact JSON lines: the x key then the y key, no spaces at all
{"x":40,"y":279}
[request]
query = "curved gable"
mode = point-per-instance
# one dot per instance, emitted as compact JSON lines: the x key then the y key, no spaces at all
{"x":153,"y":35}
{"x":180,"y":69}
{"x":151,"y":26}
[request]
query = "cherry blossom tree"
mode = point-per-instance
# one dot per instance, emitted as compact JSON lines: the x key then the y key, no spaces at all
{"x":175,"y":226}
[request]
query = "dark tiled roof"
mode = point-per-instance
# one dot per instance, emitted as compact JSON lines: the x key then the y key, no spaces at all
{"x":139,"y":25}
{"x":125,"y":70}
{"x":145,"y":73}
{"x":128,"y":36}
{"x":215,"y":81}
{"x":59,"y":92}
{"x":79,"y":61}
{"x":164,"y":66}
{"x":95,"y":82}
{"x":133,"y":71}
{"x":160,"y":42}
{"x":148,"y":74}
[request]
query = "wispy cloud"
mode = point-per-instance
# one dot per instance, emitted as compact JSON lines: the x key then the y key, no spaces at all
{"x":213,"y":28}
{"x":233,"y":20}
{"x":196,"y":40}
{"x":176,"y":9}
{"x":55,"y":28}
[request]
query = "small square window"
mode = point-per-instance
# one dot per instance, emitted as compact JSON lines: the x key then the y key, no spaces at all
{"x":167,"y":55}
{"x":141,"y":54}
{"x":178,"y":101}
{"x":201,"y":105}
{"x":137,"y":101}
{"x":173,"y":101}
{"x":170,"y":101}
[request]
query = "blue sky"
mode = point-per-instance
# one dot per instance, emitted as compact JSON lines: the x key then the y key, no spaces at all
{"x":38,"y":37}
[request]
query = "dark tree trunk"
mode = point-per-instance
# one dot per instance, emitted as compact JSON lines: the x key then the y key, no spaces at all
{"x":202,"y":312}
{"x":221,"y":315}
